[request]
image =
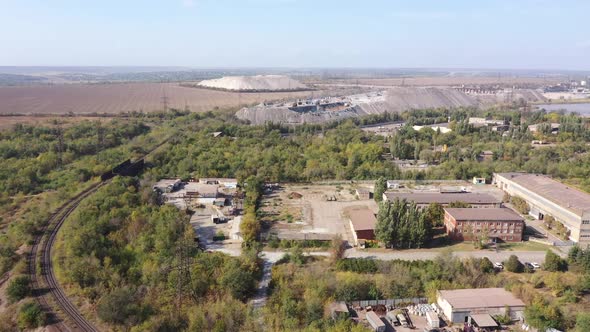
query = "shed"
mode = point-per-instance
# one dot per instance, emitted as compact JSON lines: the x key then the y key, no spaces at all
{"x":483,"y":321}
{"x":362,"y":223}
{"x":363,"y":193}
{"x":339,"y":310}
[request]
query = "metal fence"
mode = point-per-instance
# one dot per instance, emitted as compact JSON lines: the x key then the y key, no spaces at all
{"x":390,"y":302}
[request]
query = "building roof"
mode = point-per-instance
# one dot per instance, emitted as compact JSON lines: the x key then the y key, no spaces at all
{"x":338,"y":306}
{"x":374,"y":320}
{"x":202,"y":189}
{"x":491,"y":214}
{"x":362,"y":219}
{"x":444,"y":198}
{"x":484,"y":320}
{"x":480,"y":298}
{"x":570,"y":198}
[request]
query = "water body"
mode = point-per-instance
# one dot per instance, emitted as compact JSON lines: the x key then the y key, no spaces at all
{"x":581,"y":108}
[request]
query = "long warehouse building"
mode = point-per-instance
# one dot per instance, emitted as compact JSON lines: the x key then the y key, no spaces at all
{"x":546,"y":196}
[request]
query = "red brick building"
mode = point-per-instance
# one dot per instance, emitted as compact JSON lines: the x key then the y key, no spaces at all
{"x":362,"y":223}
{"x":499,"y":223}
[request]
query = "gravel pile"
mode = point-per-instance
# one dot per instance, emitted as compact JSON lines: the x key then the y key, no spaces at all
{"x":254,"y":83}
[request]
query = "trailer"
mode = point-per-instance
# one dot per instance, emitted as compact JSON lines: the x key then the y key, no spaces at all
{"x":432,"y":318}
{"x":402,"y":320}
{"x":375,"y":322}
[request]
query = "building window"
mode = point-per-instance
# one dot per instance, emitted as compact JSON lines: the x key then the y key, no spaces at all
{"x":586,"y":222}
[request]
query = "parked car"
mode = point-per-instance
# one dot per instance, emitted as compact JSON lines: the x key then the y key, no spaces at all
{"x":536,"y":266}
{"x":499,"y":265}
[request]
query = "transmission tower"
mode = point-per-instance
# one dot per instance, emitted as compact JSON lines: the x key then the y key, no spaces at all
{"x":183,"y":282}
{"x":165,"y":101}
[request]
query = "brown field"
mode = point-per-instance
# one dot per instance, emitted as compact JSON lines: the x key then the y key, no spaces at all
{"x":116,"y":98}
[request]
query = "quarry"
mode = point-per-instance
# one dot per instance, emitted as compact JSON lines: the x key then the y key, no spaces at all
{"x":381,"y":99}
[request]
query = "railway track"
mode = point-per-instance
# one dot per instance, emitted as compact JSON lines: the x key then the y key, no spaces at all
{"x":44,"y":281}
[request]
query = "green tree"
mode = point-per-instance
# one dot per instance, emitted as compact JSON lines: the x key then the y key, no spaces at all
{"x":486,"y":265}
{"x":554,"y":263}
{"x":380,"y":187}
{"x":119,"y":307}
{"x":18,"y":288}
{"x":514,"y":265}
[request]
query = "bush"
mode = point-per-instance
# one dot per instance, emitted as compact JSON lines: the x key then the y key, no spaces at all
{"x":358,"y":265}
{"x":554,"y":263}
{"x":514,"y":265}
{"x":31,"y":316}
{"x":18,"y":289}
{"x":486,"y":265}
{"x":219,"y":236}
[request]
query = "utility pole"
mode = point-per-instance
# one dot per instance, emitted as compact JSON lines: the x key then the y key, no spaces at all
{"x":60,"y":145}
{"x":165,"y":101}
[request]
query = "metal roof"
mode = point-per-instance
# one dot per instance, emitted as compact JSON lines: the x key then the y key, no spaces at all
{"x":491,"y":214}
{"x":570,"y":198}
{"x":362,"y":219}
{"x":444,"y":198}
{"x":480,"y":298}
{"x":484,"y":320}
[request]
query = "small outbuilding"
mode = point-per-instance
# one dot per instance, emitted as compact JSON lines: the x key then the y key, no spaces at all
{"x":362,"y":224}
{"x":459,"y":304}
{"x":375,"y":321}
{"x":339,"y":310}
{"x":363,"y":194}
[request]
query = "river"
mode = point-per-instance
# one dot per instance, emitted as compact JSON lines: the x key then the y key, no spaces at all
{"x":580,"y":108}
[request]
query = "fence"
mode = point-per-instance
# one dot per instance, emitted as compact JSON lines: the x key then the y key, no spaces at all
{"x":390,"y":302}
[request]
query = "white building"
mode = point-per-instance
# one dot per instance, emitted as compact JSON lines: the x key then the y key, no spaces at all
{"x":546,"y":196}
{"x":458,"y":305}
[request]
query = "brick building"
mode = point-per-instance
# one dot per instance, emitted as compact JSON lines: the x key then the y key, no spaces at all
{"x":362,"y":223}
{"x":499,"y":223}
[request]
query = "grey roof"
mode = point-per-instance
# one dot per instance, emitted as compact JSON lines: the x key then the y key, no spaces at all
{"x":444,"y":198}
{"x":570,"y":198}
{"x":480,"y":298}
{"x":491,"y":214}
{"x":484,"y":320}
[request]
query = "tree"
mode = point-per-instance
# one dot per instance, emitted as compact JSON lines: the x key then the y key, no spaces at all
{"x":119,"y":307}
{"x":380,"y":187}
{"x":30,"y":316}
{"x":249,"y":228}
{"x":554,"y":263}
{"x":435,"y":214}
{"x":520,"y":205}
{"x":18,"y":288}
{"x":401,"y":224}
{"x":337,"y":248}
{"x":514,"y":265}
{"x":486,"y":265}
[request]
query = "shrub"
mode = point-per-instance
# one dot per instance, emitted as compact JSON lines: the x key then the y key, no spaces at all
{"x":18,"y":289}
{"x":554,"y":263}
{"x":31,"y":316}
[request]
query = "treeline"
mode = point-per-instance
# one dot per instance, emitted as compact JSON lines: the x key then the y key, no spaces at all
{"x":401,"y":224}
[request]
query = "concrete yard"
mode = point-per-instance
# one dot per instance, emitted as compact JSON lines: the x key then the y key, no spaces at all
{"x":313,"y":209}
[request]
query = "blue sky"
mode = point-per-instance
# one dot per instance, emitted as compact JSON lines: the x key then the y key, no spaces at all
{"x":509,"y":34}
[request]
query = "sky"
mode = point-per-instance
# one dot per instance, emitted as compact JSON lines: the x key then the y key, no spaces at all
{"x":494,"y":34}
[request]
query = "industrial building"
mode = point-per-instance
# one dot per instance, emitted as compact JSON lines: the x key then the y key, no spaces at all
{"x":461,"y":304}
{"x":362,"y":224}
{"x":167,"y":185}
{"x":499,"y":223}
{"x":475,"y":200}
{"x":546,"y":196}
